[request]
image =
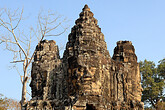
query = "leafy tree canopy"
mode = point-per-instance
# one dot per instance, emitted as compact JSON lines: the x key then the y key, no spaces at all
{"x":152,"y":82}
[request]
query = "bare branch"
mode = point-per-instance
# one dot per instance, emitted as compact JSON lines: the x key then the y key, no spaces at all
{"x":29,"y":74}
{"x":12,"y":29}
{"x":57,"y":34}
{"x":20,"y":54}
{"x":17,"y":61}
{"x":7,"y":40}
{"x":53,"y":28}
{"x":10,"y":48}
{"x":2,"y":23}
{"x":20,"y":44}
{"x":25,"y":78}
{"x":31,"y":58}
{"x":14,"y":13}
{"x":35,"y":32}
{"x":16,"y":40}
{"x":18,"y":20}
{"x":1,"y":12}
{"x":40,"y":23}
{"x":28,"y":93}
{"x":55,"y":20}
{"x":22,"y":41}
{"x":21,"y":77}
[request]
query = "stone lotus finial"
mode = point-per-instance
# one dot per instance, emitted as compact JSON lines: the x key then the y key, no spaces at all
{"x":86,"y":8}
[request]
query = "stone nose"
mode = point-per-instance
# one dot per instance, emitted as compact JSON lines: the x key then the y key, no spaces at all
{"x":87,"y":75}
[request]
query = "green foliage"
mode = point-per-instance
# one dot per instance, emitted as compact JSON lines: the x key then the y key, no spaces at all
{"x":152,"y":81}
{"x":161,"y":68}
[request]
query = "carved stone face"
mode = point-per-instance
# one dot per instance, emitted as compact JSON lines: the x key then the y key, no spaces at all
{"x":84,"y":80}
{"x":36,"y":85}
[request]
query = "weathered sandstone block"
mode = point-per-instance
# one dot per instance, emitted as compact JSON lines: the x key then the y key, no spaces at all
{"x":86,"y":77}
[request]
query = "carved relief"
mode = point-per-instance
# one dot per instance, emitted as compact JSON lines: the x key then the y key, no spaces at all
{"x":86,"y":77}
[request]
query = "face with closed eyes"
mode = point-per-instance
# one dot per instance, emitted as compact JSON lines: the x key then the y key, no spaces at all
{"x":84,"y":80}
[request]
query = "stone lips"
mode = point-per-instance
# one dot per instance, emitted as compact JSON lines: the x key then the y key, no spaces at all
{"x":86,"y":78}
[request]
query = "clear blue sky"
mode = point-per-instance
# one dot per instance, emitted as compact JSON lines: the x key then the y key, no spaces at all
{"x":140,"y":21}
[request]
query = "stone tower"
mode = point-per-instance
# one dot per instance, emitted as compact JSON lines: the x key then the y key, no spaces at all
{"x":86,"y":78}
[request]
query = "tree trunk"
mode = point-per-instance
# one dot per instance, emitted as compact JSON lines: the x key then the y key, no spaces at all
{"x":24,"y":83}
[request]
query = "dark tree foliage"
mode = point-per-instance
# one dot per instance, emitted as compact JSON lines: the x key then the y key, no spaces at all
{"x":153,"y":82}
{"x":161,"y":68}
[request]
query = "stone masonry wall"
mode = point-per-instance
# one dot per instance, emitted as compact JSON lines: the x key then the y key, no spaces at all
{"x":86,"y":77}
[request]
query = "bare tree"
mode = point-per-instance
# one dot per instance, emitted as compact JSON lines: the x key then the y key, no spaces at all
{"x":3,"y":102}
{"x":14,"y":104}
{"x":9,"y":104}
{"x":21,"y":44}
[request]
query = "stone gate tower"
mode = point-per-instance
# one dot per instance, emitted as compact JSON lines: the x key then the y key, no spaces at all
{"x":86,"y":78}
